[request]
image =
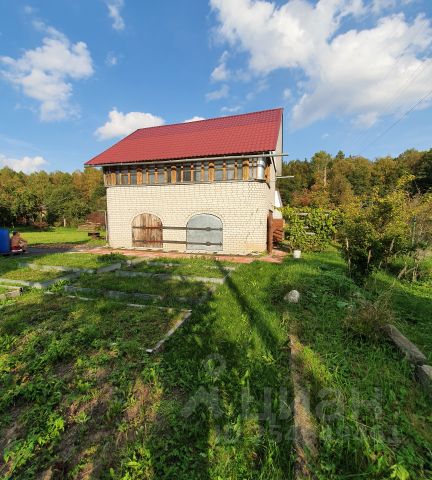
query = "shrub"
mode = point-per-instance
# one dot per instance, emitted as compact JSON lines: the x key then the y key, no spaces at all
{"x":309,"y":228}
{"x":366,"y":319}
{"x":374,"y":232}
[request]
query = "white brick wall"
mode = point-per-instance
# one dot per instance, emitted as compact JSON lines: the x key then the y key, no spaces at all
{"x":242,"y":207}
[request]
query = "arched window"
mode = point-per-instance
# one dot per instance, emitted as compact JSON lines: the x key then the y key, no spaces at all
{"x":204,"y":232}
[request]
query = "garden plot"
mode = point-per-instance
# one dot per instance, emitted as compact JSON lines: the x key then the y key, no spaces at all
{"x":76,"y":262}
{"x":11,"y":273}
{"x":72,"y":389}
{"x":194,"y":269}
{"x":143,"y":290}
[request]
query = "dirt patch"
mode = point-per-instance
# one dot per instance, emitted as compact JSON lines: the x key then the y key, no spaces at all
{"x":142,"y":399}
{"x":12,"y":432}
{"x":83,"y":439}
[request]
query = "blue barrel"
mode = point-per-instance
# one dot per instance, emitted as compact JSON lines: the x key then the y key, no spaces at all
{"x":4,"y":241}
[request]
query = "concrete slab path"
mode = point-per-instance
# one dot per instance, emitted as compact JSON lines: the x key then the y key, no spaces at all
{"x":276,"y":257}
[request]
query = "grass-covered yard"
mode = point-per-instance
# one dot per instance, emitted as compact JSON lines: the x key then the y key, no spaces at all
{"x":373,"y":418}
{"x":13,"y":268}
{"x":58,"y":235}
{"x":80,"y":398}
{"x":188,"y":267}
{"x":10,"y":269}
{"x":77,"y":260}
{"x":169,"y":290}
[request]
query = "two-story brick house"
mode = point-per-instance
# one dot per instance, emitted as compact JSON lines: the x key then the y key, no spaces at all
{"x":203,"y":186}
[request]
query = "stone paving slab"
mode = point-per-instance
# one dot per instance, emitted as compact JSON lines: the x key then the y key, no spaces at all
{"x":113,"y":293}
{"x":276,"y":257}
{"x":13,"y":293}
{"x":170,"y":276}
{"x":411,"y":352}
{"x":160,"y":344}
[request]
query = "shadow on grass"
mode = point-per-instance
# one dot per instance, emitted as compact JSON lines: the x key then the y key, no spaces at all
{"x":98,"y":402}
{"x":364,"y":394}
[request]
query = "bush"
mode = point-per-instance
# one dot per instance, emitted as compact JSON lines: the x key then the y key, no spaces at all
{"x":376,"y":231}
{"x":309,"y":228}
{"x":367,"y":319}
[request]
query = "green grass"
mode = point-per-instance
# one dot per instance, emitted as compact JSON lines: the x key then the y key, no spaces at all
{"x":422,"y":271}
{"x":4,"y":290}
{"x":373,"y":418}
{"x":77,"y":260}
{"x":30,"y":275}
{"x":70,"y":375}
{"x":9,"y":266}
{"x":412,"y":304}
{"x":168,"y":289}
{"x":58,"y":235}
{"x":188,"y":267}
{"x":80,"y":395}
{"x":10,"y":269}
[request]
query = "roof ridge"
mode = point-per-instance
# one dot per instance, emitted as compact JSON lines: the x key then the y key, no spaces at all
{"x":241,"y":133}
{"x":208,"y":119}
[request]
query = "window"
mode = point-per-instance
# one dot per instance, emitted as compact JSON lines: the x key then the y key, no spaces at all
{"x":239,"y":169}
{"x":219,"y":171}
{"x":133,"y":176}
{"x":161,"y":177}
{"x":124,"y":176}
{"x":151,"y":175}
{"x":230,"y":170}
{"x":187,"y":173}
{"x":204,"y":172}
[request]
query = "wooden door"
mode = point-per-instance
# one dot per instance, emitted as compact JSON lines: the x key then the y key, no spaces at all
{"x":204,"y":232}
{"x":147,"y":231}
{"x":270,"y":232}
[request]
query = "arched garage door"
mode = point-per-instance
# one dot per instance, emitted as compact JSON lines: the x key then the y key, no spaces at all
{"x":147,"y":231}
{"x":204,"y":232}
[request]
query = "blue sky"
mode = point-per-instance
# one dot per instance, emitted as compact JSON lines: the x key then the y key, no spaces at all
{"x":77,"y":76}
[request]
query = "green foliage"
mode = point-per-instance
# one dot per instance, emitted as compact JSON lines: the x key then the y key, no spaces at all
{"x":329,"y":182}
{"x":49,"y":197}
{"x":365,"y":319}
{"x":374,"y":232}
{"x":309,"y":228}
{"x":372,"y":416}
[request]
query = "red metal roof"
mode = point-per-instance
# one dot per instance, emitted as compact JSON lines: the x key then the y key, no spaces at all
{"x":237,"y":134}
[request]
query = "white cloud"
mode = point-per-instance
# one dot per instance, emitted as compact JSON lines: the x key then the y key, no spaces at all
{"x":121,"y":124}
{"x":377,"y":6}
{"x":114,"y":9}
{"x":28,"y":10}
{"x":218,"y":94}
{"x":354,"y":72}
{"x":287,"y":94}
{"x":24,"y":164}
{"x":221,"y":73}
{"x":111,"y":59}
{"x":231,"y":109}
{"x":45,"y":73}
{"x":194,"y":119}
{"x":366,"y":120}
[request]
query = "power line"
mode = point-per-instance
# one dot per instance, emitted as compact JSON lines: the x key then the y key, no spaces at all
{"x":364,"y":131}
{"x":396,"y":122}
{"x":387,"y":107}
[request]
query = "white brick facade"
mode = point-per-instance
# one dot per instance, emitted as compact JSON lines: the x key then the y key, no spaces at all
{"x":243,"y":208}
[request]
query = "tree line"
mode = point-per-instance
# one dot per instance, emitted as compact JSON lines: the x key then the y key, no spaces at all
{"x":53,"y":198}
{"x":328,"y":182}
{"x":323,"y":181}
